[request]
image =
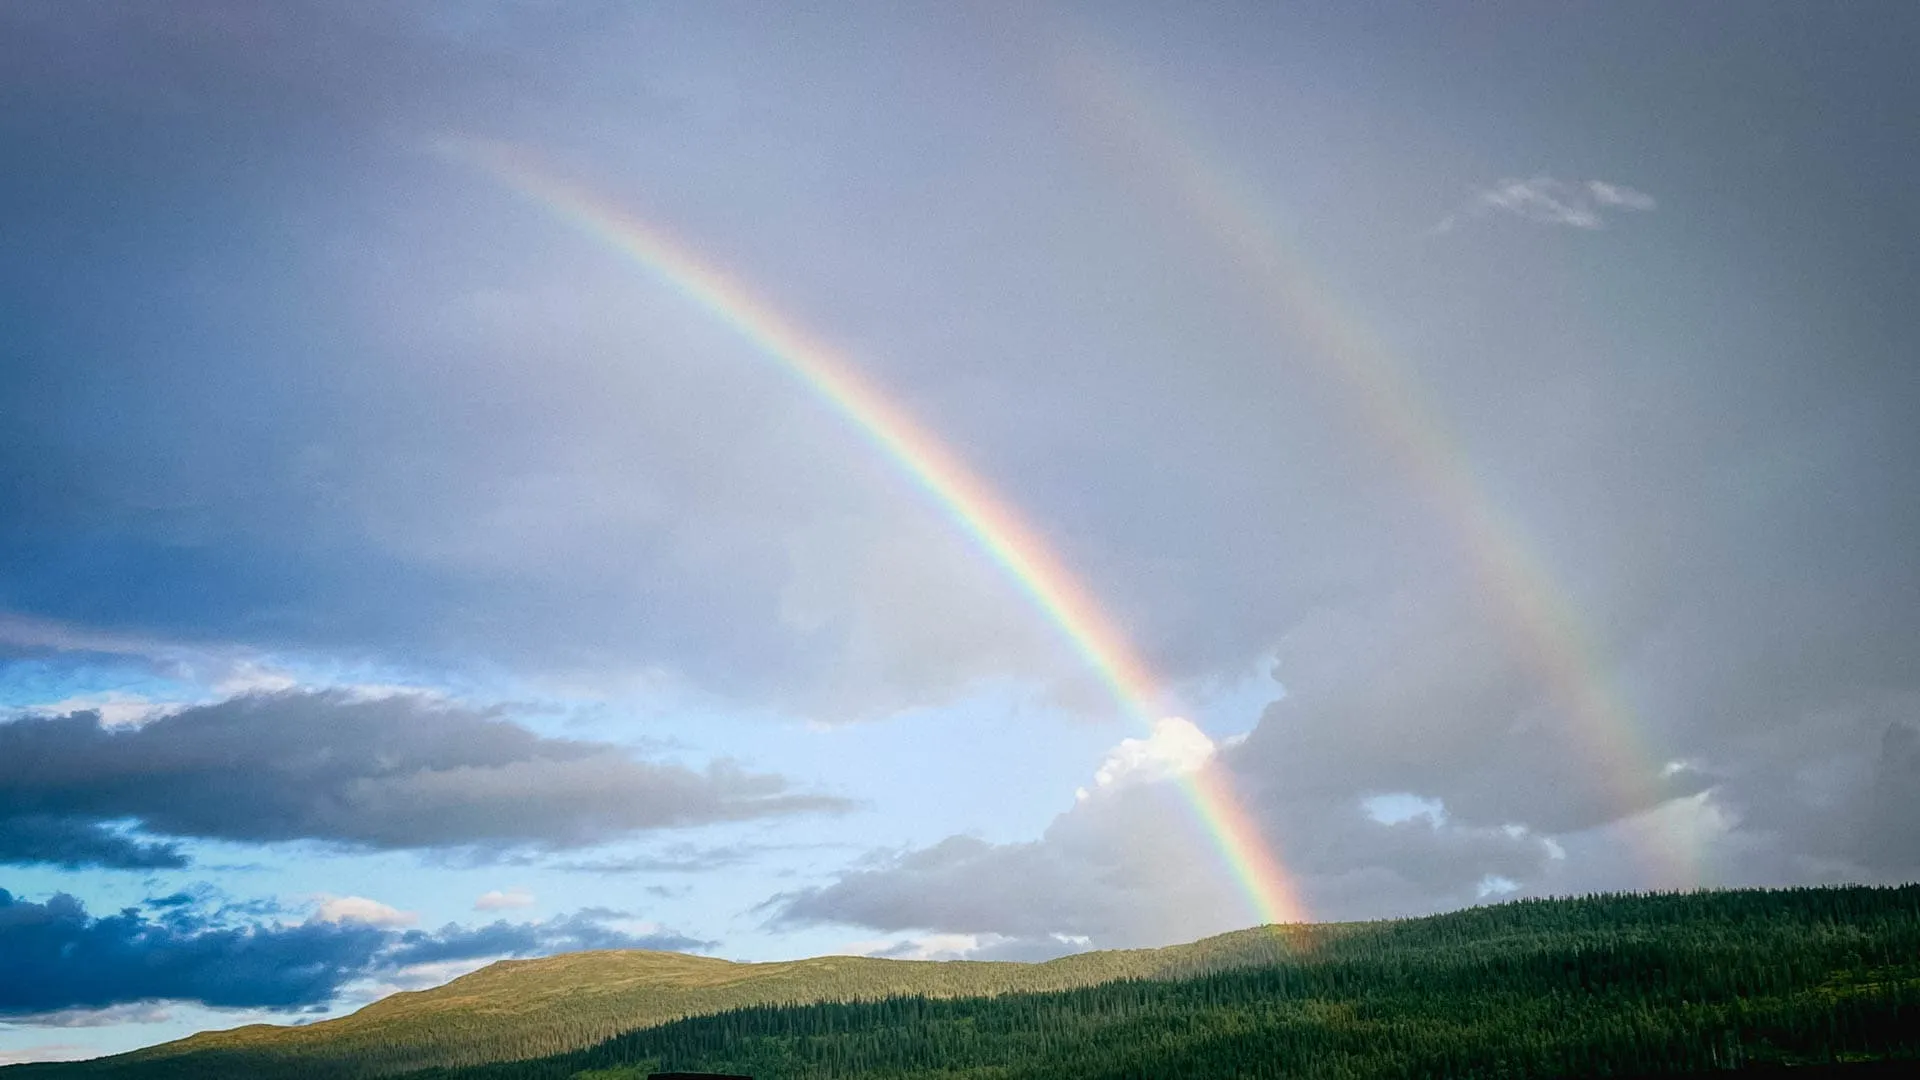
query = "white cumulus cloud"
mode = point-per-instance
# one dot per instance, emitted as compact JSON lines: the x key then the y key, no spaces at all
{"x":337,"y":909}
{"x":1175,"y":747}
{"x":502,"y":900}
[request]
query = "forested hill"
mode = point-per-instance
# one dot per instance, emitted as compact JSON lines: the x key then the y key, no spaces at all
{"x":525,"y":1008}
{"x":1621,"y":985}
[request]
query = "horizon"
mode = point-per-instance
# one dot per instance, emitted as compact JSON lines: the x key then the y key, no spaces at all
{"x":989,"y":481}
{"x":1439,"y":915}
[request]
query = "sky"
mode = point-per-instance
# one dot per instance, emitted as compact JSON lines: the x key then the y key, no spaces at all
{"x":971,"y":480}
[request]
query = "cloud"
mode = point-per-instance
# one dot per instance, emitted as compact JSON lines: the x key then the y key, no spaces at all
{"x":588,"y":929}
{"x":66,"y":967}
{"x":680,"y":859}
{"x":390,"y":773}
{"x":1420,"y":760}
{"x":139,"y":1012}
{"x":1132,"y":864}
{"x":970,"y":947}
{"x":499,"y":900}
{"x":608,"y":532}
{"x":1174,"y":748}
{"x":28,"y":838}
{"x":114,"y":708}
{"x":1614,"y":195}
{"x":58,"y":957}
{"x":485,"y":447}
{"x":48,"y":1052}
{"x":359,"y":909}
{"x":1548,"y":201}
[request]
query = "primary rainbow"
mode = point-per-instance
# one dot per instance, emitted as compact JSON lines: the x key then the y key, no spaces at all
{"x":1530,"y":606}
{"x":962,"y":495}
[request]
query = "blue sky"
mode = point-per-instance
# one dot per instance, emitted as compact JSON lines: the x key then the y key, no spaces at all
{"x":393,"y":577}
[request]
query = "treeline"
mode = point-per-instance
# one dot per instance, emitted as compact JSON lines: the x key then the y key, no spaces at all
{"x":1612,"y":986}
{"x":1602,"y":986}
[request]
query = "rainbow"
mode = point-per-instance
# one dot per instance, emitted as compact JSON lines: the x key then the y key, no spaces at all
{"x":967,"y":500}
{"x":1533,"y":611}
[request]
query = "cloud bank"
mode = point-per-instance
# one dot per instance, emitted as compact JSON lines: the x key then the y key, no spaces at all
{"x":390,"y":773}
{"x":59,"y":958}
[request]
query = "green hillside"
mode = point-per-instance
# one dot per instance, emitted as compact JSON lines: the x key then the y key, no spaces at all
{"x":1615,"y":986}
{"x":1606,"y":986}
{"x":526,"y":1008}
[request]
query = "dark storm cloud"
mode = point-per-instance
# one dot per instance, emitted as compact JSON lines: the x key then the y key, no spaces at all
{"x":391,"y":773}
{"x":53,"y":840}
{"x":55,"y":956}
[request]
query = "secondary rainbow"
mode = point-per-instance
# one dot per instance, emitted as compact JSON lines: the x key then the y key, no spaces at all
{"x":1530,"y":605}
{"x":966,"y":499}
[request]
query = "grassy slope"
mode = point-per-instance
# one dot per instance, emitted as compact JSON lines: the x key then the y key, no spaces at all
{"x":1471,"y":978}
{"x":526,"y":1008}
{"x":1603,"y":986}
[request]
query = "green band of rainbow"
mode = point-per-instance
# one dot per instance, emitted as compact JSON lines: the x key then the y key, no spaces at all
{"x":962,"y":495}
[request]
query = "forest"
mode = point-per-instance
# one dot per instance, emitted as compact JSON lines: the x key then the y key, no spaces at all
{"x":1626,"y":985}
{"x":1617,"y":986}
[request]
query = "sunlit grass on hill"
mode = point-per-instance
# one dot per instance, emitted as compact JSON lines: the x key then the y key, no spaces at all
{"x":1596,"y":986}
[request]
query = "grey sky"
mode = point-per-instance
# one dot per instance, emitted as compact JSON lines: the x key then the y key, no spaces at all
{"x":303,"y":418}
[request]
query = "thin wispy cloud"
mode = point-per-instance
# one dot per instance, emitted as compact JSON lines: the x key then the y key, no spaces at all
{"x":1548,"y":201}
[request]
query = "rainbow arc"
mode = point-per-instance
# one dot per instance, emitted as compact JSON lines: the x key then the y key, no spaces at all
{"x":1520,"y":593}
{"x":968,"y":501}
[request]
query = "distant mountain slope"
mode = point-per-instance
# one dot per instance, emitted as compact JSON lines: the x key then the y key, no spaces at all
{"x":1607,"y":984}
{"x":526,"y":1008}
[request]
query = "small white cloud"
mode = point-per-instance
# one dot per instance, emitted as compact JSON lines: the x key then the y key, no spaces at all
{"x":1617,"y":195}
{"x":1549,"y":201}
{"x":1542,"y":199}
{"x":1176,"y":747}
{"x":338,"y":909}
{"x":499,"y":900}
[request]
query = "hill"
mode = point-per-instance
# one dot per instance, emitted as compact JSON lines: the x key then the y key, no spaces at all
{"x":1820,"y":980}
{"x":1596,"y":986}
{"x":526,"y":1008}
